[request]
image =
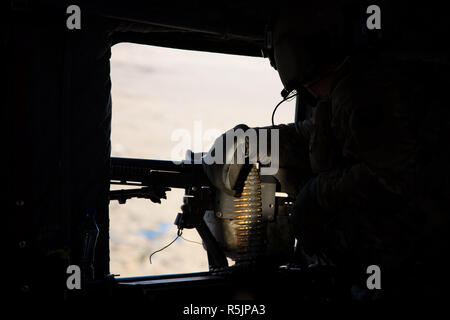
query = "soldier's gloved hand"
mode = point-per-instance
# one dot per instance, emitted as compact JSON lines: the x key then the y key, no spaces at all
{"x":221,"y":165}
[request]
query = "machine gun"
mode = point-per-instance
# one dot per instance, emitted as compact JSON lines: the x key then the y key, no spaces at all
{"x":154,"y":177}
{"x":245,"y":228}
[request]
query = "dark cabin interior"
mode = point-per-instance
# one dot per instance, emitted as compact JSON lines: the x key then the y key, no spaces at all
{"x":57,"y":122}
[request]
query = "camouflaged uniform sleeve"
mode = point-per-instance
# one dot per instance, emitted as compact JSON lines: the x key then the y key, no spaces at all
{"x":370,"y":122}
{"x":322,"y":145}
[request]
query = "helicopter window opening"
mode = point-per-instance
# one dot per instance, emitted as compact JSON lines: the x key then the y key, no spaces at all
{"x":166,"y":101}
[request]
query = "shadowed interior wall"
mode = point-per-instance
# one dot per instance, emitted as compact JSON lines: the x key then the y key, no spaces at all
{"x":56,"y":120}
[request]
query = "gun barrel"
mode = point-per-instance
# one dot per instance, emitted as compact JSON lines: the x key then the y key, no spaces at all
{"x":160,"y":173}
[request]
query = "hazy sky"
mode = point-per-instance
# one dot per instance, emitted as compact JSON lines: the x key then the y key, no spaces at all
{"x":155,"y":92}
{"x":158,"y":90}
